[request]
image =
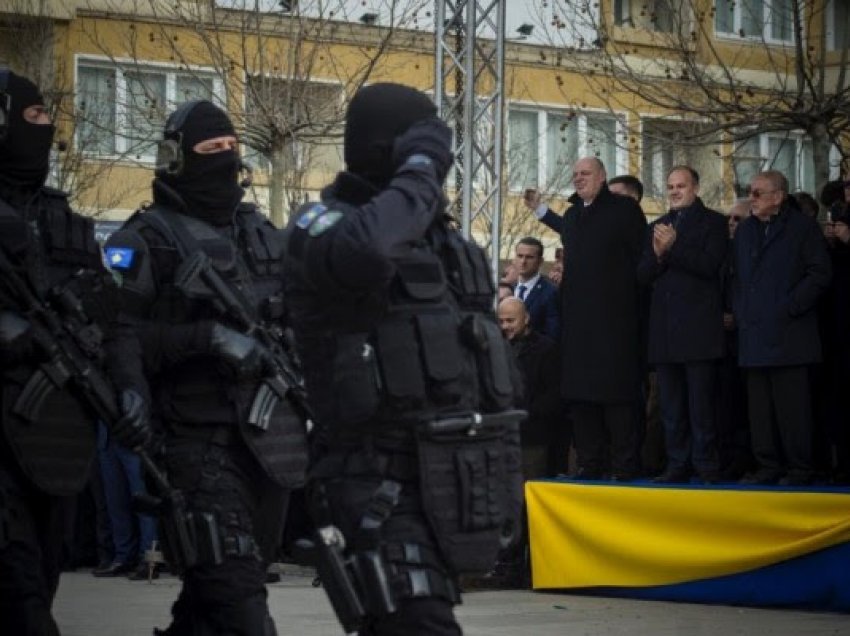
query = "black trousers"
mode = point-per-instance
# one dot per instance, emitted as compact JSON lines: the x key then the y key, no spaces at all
{"x":780,"y":417}
{"x":228,"y":597}
{"x":606,"y":431}
{"x":30,"y":555}
{"x":687,"y":409}
{"x":346,"y":496}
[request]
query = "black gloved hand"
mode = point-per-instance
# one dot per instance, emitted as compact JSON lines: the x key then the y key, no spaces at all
{"x":133,"y":429}
{"x":430,"y":137}
{"x":244,"y":354}
{"x":15,"y":337}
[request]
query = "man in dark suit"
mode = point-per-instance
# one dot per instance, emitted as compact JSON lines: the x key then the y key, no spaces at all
{"x":781,"y":269}
{"x":683,"y":260}
{"x":537,"y":292}
{"x":602,"y":234}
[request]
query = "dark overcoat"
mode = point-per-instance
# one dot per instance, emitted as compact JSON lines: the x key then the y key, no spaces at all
{"x":600,"y":333}
{"x":781,"y":269}
{"x":686,"y":310}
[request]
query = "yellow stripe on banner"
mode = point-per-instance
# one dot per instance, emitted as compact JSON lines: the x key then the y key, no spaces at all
{"x":585,"y":535}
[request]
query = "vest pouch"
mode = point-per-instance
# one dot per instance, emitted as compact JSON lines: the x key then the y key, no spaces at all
{"x":421,"y":279}
{"x":495,"y":365}
{"x":463,"y":484}
{"x":401,"y":370}
{"x":442,"y":357}
{"x":354,"y":380}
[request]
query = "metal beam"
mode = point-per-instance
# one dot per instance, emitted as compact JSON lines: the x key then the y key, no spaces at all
{"x":469,"y":72}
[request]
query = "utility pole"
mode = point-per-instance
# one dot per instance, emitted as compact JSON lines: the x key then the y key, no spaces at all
{"x":469,"y":72}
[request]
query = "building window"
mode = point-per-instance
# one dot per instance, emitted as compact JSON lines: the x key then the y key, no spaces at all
{"x":838,"y":25}
{"x":122,"y":111}
{"x":663,"y":16}
{"x":544,"y":145}
{"x":301,"y":119}
{"x":667,"y":143}
{"x":791,"y":154}
{"x":771,"y":20}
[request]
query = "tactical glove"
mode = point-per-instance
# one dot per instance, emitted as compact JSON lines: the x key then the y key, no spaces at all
{"x":133,"y":429}
{"x":246,"y":356}
{"x":430,"y":137}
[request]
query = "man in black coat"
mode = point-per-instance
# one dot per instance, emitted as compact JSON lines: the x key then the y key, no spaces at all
{"x":537,"y":355}
{"x":602,"y":234}
{"x":781,"y":268}
{"x":683,"y":260}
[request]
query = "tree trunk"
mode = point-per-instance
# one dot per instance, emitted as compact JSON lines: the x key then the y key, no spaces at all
{"x":278,"y":209}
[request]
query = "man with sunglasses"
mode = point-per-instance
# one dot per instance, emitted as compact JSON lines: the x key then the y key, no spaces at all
{"x":781,"y":268}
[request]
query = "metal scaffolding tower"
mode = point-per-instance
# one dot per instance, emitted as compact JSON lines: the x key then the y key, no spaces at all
{"x":469,"y":71}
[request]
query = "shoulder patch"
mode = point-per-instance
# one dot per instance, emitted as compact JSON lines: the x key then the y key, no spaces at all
{"x":324,"y":222}
{"x":311,"y":214}
{"x":120,"y":258}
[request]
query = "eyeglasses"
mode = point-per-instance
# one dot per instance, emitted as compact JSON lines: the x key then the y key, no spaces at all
{"x":735,"y":217}
{"x":755,"y":194}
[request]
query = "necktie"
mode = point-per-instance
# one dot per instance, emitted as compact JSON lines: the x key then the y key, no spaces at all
{"x":521,"y":291}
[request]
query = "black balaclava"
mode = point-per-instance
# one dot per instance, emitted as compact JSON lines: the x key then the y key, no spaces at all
{"x":207,"y":184}
{"x":25,"y":151}
{"x":377,"y":115}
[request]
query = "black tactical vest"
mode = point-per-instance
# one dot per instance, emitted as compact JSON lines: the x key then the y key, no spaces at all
{"x":434,"y":348}
{"x":55,"y":446}
{"x":196,"y":392}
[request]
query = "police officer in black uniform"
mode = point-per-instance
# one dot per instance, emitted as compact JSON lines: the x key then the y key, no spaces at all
{"x":199,"y":271}
{"x":47,"y":440}
{"x":417,"y":462}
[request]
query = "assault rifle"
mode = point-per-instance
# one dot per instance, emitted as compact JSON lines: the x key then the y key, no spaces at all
{"x":197,"y":278}
{"x":69,"y":342}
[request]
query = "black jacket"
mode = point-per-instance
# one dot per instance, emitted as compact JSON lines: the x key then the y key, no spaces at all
{"x":686,"y":310}
{"x":538,"y":361}
{"x":781,"y":269}
{"x":600,"y":308}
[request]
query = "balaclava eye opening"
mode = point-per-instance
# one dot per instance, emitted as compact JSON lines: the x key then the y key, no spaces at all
{"x":207,"y":183}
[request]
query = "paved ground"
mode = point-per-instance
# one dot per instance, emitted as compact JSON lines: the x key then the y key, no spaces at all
{"x":87,"y":606}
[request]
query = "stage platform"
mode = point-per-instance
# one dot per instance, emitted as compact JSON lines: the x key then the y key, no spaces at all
{"x":764,"y":546}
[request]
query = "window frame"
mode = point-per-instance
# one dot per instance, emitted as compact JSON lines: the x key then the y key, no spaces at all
{"x":832,"y":44}
{"x":649,"y":184}
{"x":580,"y":121}
{"x":121,"y":67}
{"x":767,"y":25}
{"x":298,"y":149}
{"x":800,"y":180}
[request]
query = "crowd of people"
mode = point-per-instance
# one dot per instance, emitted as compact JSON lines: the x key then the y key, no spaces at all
{"x":220,"y":356}
{"x":704,"y":346}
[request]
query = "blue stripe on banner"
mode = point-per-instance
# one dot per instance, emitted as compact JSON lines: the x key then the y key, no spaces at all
{"x":820,"y":580}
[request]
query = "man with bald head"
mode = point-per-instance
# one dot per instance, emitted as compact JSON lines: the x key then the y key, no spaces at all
{"x":537,"y":356}
{"x":601,"y":362}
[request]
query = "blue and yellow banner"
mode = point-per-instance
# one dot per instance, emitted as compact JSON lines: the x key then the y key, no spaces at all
{"x":613,"y":536}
